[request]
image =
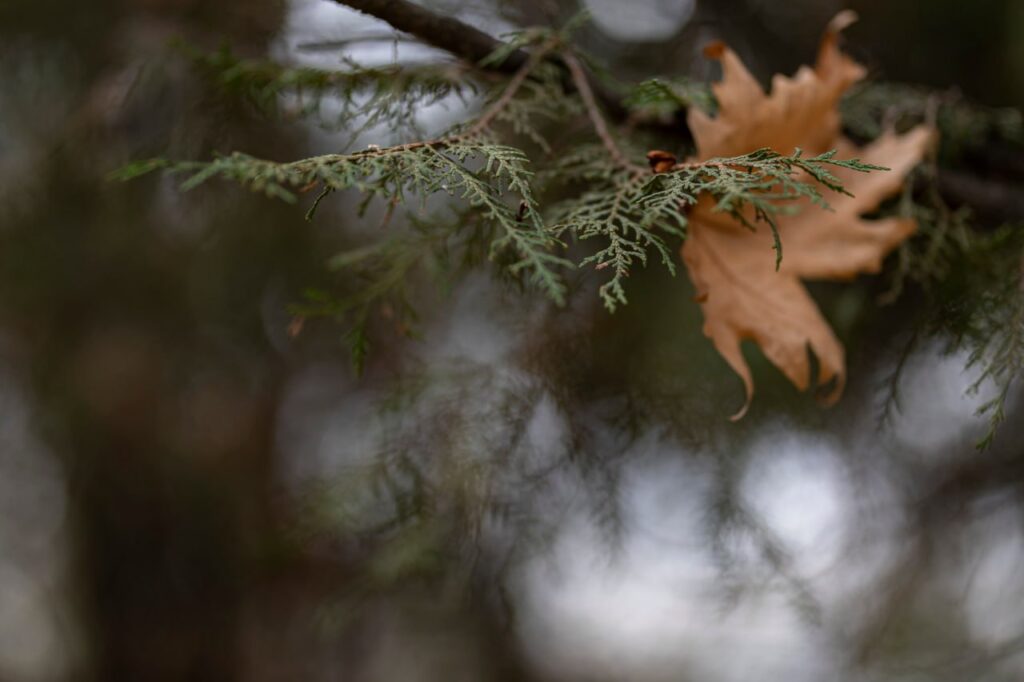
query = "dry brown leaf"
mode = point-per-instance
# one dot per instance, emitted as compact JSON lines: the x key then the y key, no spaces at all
{"x":733,"y":269}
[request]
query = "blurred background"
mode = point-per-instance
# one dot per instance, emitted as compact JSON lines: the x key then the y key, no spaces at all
{"x":191,"y":490}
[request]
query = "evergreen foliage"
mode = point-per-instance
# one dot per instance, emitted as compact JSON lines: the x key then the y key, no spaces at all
{"x":336,"y":99}
{"x":621,"y":202}
{"x":528,"y":196}
{"x":977,"y":306}
{"x":422,"y":169}
{"x":664,"y":97}
{"x":869,"y":108}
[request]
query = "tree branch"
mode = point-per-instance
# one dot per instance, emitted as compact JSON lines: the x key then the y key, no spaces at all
{"x":446,"y":33}
{"x":472,"y":45}
{"x":994,"y":199}
{"x":521,"y":74}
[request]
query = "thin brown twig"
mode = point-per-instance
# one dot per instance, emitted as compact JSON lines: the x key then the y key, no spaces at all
{"x":513,"y":86}
{"x":579,"y":79}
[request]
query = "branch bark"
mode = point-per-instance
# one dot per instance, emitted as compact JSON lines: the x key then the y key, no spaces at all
{"x":995,"y":200}
{"x":446,"y":33}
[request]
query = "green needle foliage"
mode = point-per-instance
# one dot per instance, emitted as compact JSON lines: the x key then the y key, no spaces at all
{"x":539,"y":184}
{"x":978,"y":309}
{"x":632,"y":211}
{"x":629,"y":209}
{"x":664,"y":97}
{"x":373,"y":96}
{"x":497,"y":185}
{"x":869,"y":108}
{"x":973,"y":297}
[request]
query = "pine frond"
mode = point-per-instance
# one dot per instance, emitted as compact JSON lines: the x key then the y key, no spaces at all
{"x":871,"y":107}
{"x":540,"y":102}
{"x":387,"y":95}
{"x":943,"y":238}
{"x":663,"y":97}
{"x":1001,"y":358}
{"x":972,"y":281}
{"x":981,"y":310}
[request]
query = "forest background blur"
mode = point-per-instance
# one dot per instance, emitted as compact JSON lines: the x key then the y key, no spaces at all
{"x":195,"y":483}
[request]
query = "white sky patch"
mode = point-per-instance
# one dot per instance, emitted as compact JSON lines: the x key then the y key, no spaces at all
{"x":313,"y":22}
{"x":37,"y":640}
{"x":640,"y":20}
{"x":331,"y":426}
{"x":324,"y":423}
{"x":654,"y":611}
{"x":996,"y":586}
{"x":473,"y":327}
{"x":547,"y":433}
{"x":796,"y":484}
{"x":935,"y":408}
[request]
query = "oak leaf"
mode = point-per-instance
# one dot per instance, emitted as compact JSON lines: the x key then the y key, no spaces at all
{"x":741,"y":293}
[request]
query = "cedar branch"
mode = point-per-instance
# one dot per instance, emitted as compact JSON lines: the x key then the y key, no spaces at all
{"x":473,"y":45}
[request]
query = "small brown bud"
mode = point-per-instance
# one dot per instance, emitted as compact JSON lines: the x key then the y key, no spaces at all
{"x":661,"y":161}
{"x":715,"y":49}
